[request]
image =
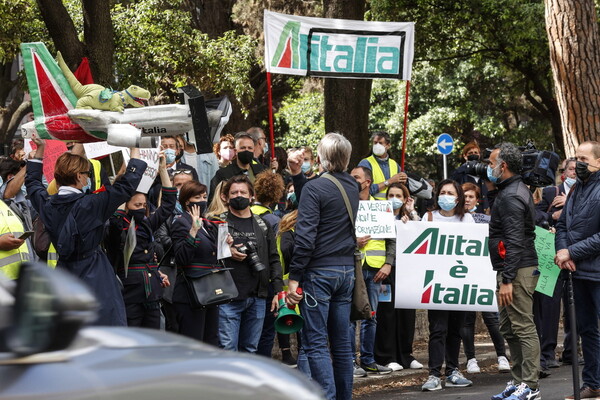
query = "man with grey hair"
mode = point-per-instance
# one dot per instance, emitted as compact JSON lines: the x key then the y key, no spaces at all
{"x":323,"y":265}
{"x":513,"y":256}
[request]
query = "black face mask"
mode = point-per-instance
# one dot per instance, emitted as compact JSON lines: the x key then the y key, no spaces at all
{"x":138,"y":215}
{"x":201,"y":204}
{"x":473,"y":157}
{"x":179,"y":155}
{"x":245,"y":157}
{"x":239,"y":203}
{"x":582,"y":171}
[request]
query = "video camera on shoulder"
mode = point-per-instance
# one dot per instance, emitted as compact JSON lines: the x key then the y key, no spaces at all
{"x":538,"y":166}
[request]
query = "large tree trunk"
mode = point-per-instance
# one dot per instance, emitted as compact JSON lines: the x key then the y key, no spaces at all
{"x":62,"y":31}
{"x":575,"y":58}
{"x":212,"y":17}
{"x":99,"y":40}
{"x":347,"y":100}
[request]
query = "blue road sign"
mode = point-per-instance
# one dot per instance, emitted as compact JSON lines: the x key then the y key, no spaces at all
{"x":445,"y":144}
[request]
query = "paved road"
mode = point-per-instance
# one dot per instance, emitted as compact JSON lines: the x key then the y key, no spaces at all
{"x":555,"y":387}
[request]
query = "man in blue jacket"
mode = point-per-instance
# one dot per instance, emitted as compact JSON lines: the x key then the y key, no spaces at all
{"x":578,"y":251}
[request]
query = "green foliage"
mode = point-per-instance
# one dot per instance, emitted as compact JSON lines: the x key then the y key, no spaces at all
{"x":20,"y":23}
{"x":157,"y":48}
{"x":300,"y":120}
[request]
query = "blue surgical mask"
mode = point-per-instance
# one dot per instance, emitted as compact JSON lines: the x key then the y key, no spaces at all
{"x":570,"y":181}
{"x":265,"y":148}
{"x":24,"y":190}
{"x":396,"y":203}
{"x":473,"y":209}
{"x":447,"y":202}
{"x":305,"y":167}
{"x":170,"y":156}
{"x":490,"y":174}
{"x":88,"y":186}
{"x":178,"y":208}
{"x":291,"y":197}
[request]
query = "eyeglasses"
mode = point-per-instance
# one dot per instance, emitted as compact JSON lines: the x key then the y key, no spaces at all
{"x":182,"y":171}
{"x":88,"y":173}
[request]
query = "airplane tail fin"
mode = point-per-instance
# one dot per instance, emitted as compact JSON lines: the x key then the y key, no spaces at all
{"x":51,"y":95}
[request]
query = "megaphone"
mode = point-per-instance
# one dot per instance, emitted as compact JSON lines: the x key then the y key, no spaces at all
{"x":288,"y":321}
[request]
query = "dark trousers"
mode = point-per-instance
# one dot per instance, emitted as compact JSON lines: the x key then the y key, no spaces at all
{"x":567,"y":353}
{"x":143,"y":315}
{"x":170,"y":316}
{"x":546,"y":315}
{"x":198,"y":323}
{"x":444,"y":340}
{"x":395,"y":334}
{"x":492,"y":322}
{"x":267,"y":337}
{"x":587,"y":310}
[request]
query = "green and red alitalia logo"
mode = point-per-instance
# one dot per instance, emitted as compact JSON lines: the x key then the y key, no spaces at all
{"x":431,"y":242}
{"x":452,"y":289}
{"x":330,"y":52}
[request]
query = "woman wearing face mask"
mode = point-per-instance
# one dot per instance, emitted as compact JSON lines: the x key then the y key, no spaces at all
{"x":142,"y":281}
{"x":195,"y":243}
{"x":225,"y":150}
{"x":398,"y":324}
{"x":75,"y":222}
{"x":445,"y":326}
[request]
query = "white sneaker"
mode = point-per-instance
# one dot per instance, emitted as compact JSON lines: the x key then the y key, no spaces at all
{"x":433,"y":383}
{"x":395,"y":366}
{"x":414,"y":364}
{"x":472,"y":367}
{"x":503,"y":365}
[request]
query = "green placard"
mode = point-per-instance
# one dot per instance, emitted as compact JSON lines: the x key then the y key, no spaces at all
{"x":544,"y":245}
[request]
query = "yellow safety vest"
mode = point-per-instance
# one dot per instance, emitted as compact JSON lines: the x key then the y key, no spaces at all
{"x":52,"y":256}
{"x":10,"y":261}
{"x":379,"y":177}
{"x":374,"y":251}
{"x":96,"y":167}
{"x":259,"y":209}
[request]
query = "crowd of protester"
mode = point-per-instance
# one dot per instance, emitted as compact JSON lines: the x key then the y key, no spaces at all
{"x":299,"y":229}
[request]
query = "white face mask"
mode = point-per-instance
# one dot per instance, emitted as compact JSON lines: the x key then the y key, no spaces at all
{"x":378,"y":149}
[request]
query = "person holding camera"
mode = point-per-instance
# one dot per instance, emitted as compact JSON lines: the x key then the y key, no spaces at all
{"x":471,"y":171}
{"x":255,"y":262}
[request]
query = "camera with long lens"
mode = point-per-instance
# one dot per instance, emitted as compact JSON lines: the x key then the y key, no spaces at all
{"x":251,"y":251}
{"x":475,"y":167}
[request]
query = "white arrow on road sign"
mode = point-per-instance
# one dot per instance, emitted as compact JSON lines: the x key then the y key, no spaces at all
{"x":444,"y":144}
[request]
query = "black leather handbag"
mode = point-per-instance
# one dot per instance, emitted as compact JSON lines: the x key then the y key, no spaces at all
{"x":214,"y":288}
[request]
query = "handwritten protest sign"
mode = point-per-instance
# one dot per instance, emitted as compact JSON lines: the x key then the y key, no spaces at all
{"x":99,"y":149}
{"x":544,"y":245}
{"x":375,"y":218}
{"x":151,"y":158}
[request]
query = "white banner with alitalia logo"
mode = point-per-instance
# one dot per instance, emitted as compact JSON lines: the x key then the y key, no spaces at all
{"x":444,"y":266}
{"x":338,"y":48}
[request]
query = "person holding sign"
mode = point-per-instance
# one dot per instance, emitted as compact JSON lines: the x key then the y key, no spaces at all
{"x":395,"y":326}
{"x":75,"y":222}
{"x":445,"y":326}
{"x":378,"y":257}
{"x":143,"y":283}
{"x":514,"y":258}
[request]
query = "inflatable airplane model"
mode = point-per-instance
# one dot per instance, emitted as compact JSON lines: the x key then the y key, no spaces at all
{"x":54,"y":104}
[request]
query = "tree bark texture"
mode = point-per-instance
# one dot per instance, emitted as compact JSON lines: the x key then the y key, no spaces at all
{"x":212,"y":17}
{"x":62,"y":31}
{"x":575,"y":58}
{"x":99,"y":40}
{"x":347,"y":101}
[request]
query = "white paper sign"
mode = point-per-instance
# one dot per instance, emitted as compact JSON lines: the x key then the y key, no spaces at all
{"x":99,"y":149}
{"x":223,"y":250}
{"x":444,"y":266}
{"x":375,"y":218}
{"x":151,"y":158}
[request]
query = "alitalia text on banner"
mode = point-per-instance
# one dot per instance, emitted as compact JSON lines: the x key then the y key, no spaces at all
{"x":444,"y":266}
{"x":338,"y":48}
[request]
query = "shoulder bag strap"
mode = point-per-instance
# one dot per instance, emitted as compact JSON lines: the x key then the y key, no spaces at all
{"x":344,"y":196}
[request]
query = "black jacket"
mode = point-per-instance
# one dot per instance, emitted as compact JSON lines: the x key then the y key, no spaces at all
{"x":543,"y":209}
{"x":578,"y":228}
{"x":223,"y":174}
{"x":512,"y":228}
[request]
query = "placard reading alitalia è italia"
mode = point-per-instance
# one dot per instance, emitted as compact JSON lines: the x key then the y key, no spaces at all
{"x":444,"y":266}
{"x":338,"y":48}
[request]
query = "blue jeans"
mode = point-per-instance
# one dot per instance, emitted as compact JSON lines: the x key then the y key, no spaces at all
{"x":368,"y":327}
{"x":326,"y":312}
{"x":240,"y":324}
{"x":587,"y":309}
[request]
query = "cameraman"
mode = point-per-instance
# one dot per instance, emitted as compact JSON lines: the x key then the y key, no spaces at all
{"x":472,"y":155}
{"x":254,"y":262}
